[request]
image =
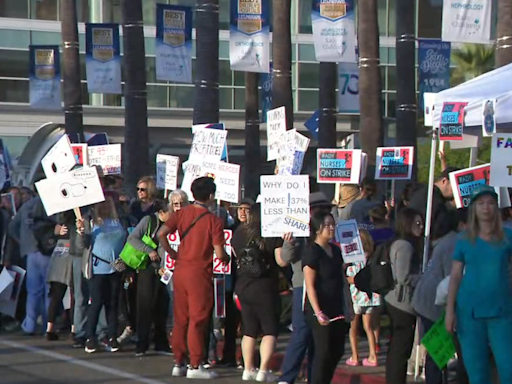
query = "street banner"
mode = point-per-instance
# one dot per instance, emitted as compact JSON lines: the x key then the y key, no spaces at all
{"x":103,"y":58}
{"x":45,"y":90}
{"x":167,"y":172}
{"x":489,"y":117}
{"x":208,"y":144}
{"x":108,"y":157}
{"x":276,"y":126}
{"x":452,"y":121}
{"x":348,"y":94}
{"x":218,"y":266}
{"x":347,"y":235}
{"x":313,"y":123}
{"x":434,"y":66}
{"x":466,"y":180}
{"x":339,"y":166}
{"x":220,"y":126}
{"x":266,"y":81}
{"x":467,"y":21}
{"x":394,"y":163}
{"x":9,"y":305}
{"x":81,"y":154}
{"x":173,"y":43}
{"x":66,"y":191}
{"x":249,"y":31}
{"x":285,"y":205}
{"x":334,"y":30}
{"x":501,"y":160}
{"x":59,"y":159}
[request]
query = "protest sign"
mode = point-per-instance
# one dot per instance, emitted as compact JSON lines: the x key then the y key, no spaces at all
{"x":8,"y":306}
{"x":81,"y":154}
{"x":439,"y":343}
{"x":466,"y":180}
{"x":6,"y":284}
{"x":347,"y":234}
{"x":218,"y":266}
{"x":452,"y":121}
{"x":221,"y":126}
{"x":276,"y":126}
{"x":208,"y":144}
{"x":339,"y":166}
{"x":488,"y":117}
{"x":501,"y":160}
{"x":394,"y":163}
{"x":70,"y":190}
{"x":292,"y":148}
{"x":167,"y":172}
{"x":108,"y":157}
{"x":59,"y":159}
{"x":285,"y":205}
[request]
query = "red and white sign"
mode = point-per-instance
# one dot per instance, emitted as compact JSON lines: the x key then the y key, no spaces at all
{"x":81,"y":154}
{"x":394,"y":163}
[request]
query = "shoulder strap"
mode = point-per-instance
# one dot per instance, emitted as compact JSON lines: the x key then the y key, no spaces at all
{"x":185,"y":233}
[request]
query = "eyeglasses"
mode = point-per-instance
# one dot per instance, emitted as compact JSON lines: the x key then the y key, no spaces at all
{"x":177,"y":204}
{"x":142,"y":189}
{"x":329,"y":225}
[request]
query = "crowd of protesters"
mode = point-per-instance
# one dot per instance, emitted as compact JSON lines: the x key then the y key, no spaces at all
{"x":111,"y":307}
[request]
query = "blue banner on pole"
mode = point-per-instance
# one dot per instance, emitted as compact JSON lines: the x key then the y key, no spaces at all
{"x":173,"y":44}
{"x":44,"y":67}
{"x":434,"y":66}
{"x":266,"y":84}
{"x":103,"y":58}
{"x":313,"y":123}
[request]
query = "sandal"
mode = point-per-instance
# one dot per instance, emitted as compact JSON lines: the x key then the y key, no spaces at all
{"x":368,"y":363}
{"x":351,"y":362}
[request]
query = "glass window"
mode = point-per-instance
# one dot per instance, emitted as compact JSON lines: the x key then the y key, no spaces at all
{"x":149,"y":45}
{"x":157,"y":96}
{"x":240,"y":98}
{"x":86,"y":97}
{"x":391,"y":78}
{"x":181,"y":97}
{"x":14,"y":64}
{"x":391,"y":110}
{"x":82,"y":10}
{"x":10,"y":38}
{"x":308,"y":100}
{"x":14,"y":8}
{"x":309,"y":75}
{"x":392,"y":55}
{"x":149,"y":12}
{"x":113,"y":100}
{"x":151,"y":70}
{"x":223,"y":49}
{"x":382,"y":17}
{"x":226,"y":98}
{"x":305,"y":7}
{"x":239,"y":78}
{"x":383,"y":54}
{"x":46,"y":38}
{"x":44,"y":9}
{"x":392,"y":18}
{"x":225,"y":73}
{"x":430,"y":15}
{"x":307,"y":52}
{"x":224,"y":14}
{"x":16,"y":144}
{"x":14,"y":91}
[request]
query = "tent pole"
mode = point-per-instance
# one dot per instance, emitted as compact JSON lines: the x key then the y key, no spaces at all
{"x":473,"y":154}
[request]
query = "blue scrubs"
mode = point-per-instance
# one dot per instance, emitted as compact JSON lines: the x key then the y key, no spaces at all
{"x":484,"y":306}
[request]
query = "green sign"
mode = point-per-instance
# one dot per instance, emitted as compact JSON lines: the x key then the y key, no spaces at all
{"x":439,"y":343}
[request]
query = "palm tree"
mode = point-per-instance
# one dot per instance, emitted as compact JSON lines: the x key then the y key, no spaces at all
{"x":206,"y":98}
{"x":252,"y":136}
{"x":73,"y":111}
{"x":282,"y":58}
{"x":371,"y":133}
{"x":471,"y":60}
{"x":504,"y":40}
{"x":136,"y":138}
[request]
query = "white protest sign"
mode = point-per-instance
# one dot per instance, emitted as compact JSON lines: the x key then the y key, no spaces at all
{"x":218,"y":266}
{"x":292,"y":148}
{"x":6,"y":284}
{"x":8,"y":306}
{"x":347,"y":234}
{"x":108,"y":157}
{"x":208,"y":144}
{"x":70,"y":190}
{"x":276,"y":126}
{"x":285,"y":205}
{"x":167,"y":172}
{"x":59,"y":159}
{"x":501,"y":160}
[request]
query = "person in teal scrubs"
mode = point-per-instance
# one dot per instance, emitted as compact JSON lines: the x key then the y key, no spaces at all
{"x":479,"y":305}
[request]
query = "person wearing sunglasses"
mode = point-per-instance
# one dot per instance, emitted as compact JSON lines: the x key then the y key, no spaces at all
{"x":178,"y":199}
{"x":146,"y":193}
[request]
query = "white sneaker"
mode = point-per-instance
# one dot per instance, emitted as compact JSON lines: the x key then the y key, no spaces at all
{"x":201,"y":373}
{"x":179,"y":371}
{"x":265,"y":377}
{"x":283,"y":382}
{"x":125,"y":336}
{"x":249,"y":375}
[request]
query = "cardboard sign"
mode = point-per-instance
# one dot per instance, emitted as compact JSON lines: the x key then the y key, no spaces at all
{"x":167,"y":172}
{"x":6,"y":284}
{"x":276,"y":126}
{"x":439,"y":343}
{"x":394,"y":163}
{"x":488,"y":117}
{"x":347,"y":235}
{"x":208,"y":144}
{"x":285,"y":205}
{"x":221,"y":126}
{"x":8,"y":305}
{"x":501,"y":160}
{"x":452,"y":121}
{"x":108,"y":157}
{"x":218,"y":266}
{"x":339,"y":166}
{"x":292,"y":149}
{"x":70,"y":190}
{"x":466,"y":180}
{"x":81,"y":154}
{"x":59,"y":159}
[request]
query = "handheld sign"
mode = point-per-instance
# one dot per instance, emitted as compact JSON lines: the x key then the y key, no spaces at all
{"x":59,"y":159}
{"x":276,"y":126}
{"x":167,"y":172}
{"x":221,"y":126}
{"x":452,"y":121}
{"x":81,"y":154}
{"x":347,"y":234}
{"x":339,"y":166}
{"x":439,"y":343}
{"x":394,"y":163}
{"x":108,"y":157}
{"x":501,"y":160}
{"x":463,"y":182}
{"x":208,"y":144}
{"x":292,"y":148}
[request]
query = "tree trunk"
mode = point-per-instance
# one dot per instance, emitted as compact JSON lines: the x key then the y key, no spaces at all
{"x":136,"y":139}
{"x":73,"y":111}
{"x":252,"y":136}
{"x":504,"y":40}
{"x":327,"y":122}
{"x":406,"y":81}
{"x":282,"y":58}
{"x":371,"y":133}
{"x":206,"y":98}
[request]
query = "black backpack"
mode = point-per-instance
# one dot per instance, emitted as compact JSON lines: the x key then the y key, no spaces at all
{"x":251,"y":261}
{"x":377,"y":275}
{"x":44,"y":233}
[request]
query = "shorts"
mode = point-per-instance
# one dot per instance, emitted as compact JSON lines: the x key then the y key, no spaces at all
{"x":358,"y":310}
{"x":260,"y":317}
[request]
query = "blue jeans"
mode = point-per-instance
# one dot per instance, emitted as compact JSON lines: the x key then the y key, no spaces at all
{"x":37,"y":291}
{"x":300,"y":342}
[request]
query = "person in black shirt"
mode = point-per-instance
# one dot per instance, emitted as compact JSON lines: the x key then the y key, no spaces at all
{"x":322,"y":264}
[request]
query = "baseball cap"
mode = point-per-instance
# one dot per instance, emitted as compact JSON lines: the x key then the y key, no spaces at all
{"x":483,"y":190}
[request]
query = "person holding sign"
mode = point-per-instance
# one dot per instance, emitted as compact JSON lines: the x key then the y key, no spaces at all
{"x":479,"y":304}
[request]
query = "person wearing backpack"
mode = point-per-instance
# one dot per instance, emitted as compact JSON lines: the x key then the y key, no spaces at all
{"x":406,"y":267}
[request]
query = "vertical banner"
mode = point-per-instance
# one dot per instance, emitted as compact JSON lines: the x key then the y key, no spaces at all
{"x":103,"y":58}
{"x":394,"y":163}
{"x":45,"y":77}
{"x":173,"y":44}
{"x":266,"y":83}
{"x":452,"y":121}
{"x":434,"y":66}
{"x":467,"y":21}
{"x":334,"y":30}
{"x":348,"y":84}
{"x":249,"y":47}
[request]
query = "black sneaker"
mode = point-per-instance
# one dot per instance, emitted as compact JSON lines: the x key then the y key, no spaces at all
{"x":140,"y":352}
{"x":79,"y":342}
{"x":90,"y":346}
{"x":104,"y":343}
{"x":163,"y":350}
{"x":113,"y":345}
{"x":52,"y":336}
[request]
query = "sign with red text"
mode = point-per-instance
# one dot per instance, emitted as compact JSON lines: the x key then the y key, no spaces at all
{"x":108,"y":157}
{"x":339,"y":166}
{"x":347,"y":235}
{"x":501,"y":160}
{"x":466,"y":180}
{"x":394,"y":163}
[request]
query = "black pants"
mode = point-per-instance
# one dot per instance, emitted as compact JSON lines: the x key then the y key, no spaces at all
{"x":57,"y":293}
{"x":231,"y":326}
{"x":403,"y":325}
{"x":329,"y":344}
{"x":104,"y":291}
{"x":152,"y":308}
{"x":128,"y":299}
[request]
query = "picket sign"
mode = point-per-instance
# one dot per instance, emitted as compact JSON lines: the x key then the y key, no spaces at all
{"x":167,"y":172}
{"x":59,"y":159}
{"x":108,"y":157}
{"x":208,"y":144}
{"x":394,"y":163}
{"x":349,"y":238}
{"x":276,"y":127}
{"x":81,"y":154}
{"x":347,"y":166}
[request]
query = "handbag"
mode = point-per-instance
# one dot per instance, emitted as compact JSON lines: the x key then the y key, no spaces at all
{"x":46,"y":239}
{"x":135,"y":258}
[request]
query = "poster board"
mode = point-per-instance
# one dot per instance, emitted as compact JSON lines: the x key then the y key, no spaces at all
{"x":439,"y":343}
{"x":349,"y":238}
{"x":501,"y":160}
{"x":452,"y":121}
{"x":8,"y":306}
{"x":167,"y":172}
{"x":108,"y":157}
{"x":276,"y":127}
{"x":463,"y":183}
{"x":208,"y":144}
{"x":81,"y":154}
{"x":394,"y":163}
{"x":59,"y":159}
{"x":339,"y":166}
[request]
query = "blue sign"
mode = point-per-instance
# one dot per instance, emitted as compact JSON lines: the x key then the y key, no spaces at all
{"x":45,"y":90}
{"x":313,"y":123}
{"x":266,"y":84}
{"x":434,"y":66}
